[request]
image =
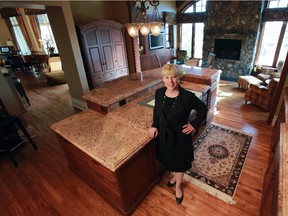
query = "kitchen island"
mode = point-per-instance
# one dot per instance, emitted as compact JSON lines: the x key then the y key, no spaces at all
{"x":107,"y":145}
{"x":118,"y":92}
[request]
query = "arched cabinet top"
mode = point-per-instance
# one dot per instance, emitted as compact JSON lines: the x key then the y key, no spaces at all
{"x":95,"y":23}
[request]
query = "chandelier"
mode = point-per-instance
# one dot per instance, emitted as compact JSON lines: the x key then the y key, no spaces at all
{"x":141,"y":22}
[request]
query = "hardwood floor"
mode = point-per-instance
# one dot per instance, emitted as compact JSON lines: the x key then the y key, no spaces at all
{"x":44,"y":185}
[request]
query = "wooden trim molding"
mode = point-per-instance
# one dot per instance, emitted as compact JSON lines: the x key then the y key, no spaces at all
{"x":278,"y":92}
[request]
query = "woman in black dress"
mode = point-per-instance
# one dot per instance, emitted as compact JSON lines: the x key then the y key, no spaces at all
{"x":171,"y":128}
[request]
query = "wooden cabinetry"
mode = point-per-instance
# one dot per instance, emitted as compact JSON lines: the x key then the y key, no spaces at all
{"x":126,"y":187}
{"x":275,"y":186}
{"x":206,"y":76}
{"x":104,"y":51}
{"x":270,"y":186}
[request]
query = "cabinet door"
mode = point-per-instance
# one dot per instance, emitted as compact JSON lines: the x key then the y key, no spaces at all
{"x":119,"y":46}
{"x":93,"y":57}
{"x":107,"y":48}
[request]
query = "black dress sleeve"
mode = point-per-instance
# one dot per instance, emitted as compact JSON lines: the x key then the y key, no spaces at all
{"x":155,"y":116}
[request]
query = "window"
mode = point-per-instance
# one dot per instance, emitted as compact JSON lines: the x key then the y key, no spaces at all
{"x":192,"y":33}
{"x":198,"y":41}
{"x":200,"y":6}
{"x":169,"y":36}
{"x":192,"y":39}
{"x":273,"y":44}
{"x":269,"y":43}
{"x":277,"y":3}
{"x":284,"y":47}
{"x":20,"y":37}
{"x":47,"y":36}
{"x":186,"y":38}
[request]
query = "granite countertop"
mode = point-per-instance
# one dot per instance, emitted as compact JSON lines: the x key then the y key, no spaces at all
{"x":134,"y":114}
{"x":119,"y":89}
{"x":109,"y":139}
{"x":194,"y":86}
{"x":194,"y":71}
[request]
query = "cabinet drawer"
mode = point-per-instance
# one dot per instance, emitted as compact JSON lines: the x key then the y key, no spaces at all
{"x":99,"y":76}
{"x":122,"y":72}
{"x":102,"y":174}
{"x":73,"y":153}
{"x":111,"y":75}
{"x":108,"y":193}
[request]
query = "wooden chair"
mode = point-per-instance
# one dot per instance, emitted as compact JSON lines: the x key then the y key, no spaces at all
{"x":192,"y":62}
{"x":150,"y":61}
{"x":181,"y":56}
{"x":210,"y":60}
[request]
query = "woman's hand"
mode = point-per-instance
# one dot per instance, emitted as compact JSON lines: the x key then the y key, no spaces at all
{"x":152,"y":132}
{"x":188,"y":128}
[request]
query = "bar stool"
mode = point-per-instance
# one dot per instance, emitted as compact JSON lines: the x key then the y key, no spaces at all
{"x":18,"y":86}
{"x":9,"y":137}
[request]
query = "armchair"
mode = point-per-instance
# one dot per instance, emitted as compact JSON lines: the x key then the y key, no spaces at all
{"x":271,"y":72}
{"x":260,"y":95}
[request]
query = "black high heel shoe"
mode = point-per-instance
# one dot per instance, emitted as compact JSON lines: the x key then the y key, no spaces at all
{"x":169,"y":184}
{"x":179,"y":200}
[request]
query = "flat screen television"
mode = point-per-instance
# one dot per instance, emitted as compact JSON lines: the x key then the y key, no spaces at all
{"x":156,"y":42}
{"x":5,"y":49}
{"x":228,"y":48}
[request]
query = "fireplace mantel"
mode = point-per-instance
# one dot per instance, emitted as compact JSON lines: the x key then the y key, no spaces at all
{"x":231,"y":36}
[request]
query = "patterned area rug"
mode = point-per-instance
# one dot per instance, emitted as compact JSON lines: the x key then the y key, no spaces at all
{"x":220,"y":154}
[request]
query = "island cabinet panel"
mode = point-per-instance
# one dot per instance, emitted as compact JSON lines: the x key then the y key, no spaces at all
{"x":206,"y":76}
{"x":137,"y":176}
{"x":104,"y":51}
{"x":126,"y":187}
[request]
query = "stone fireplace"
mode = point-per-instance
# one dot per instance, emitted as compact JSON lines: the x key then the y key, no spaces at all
{"x":232,"y":21}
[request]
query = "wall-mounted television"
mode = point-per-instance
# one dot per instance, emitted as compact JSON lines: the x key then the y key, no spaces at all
{"x":156,"y":42}
{"x":227,"y":48}
{"x":5,"y":49}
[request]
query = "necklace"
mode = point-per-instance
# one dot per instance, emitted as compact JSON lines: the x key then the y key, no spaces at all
{"x":163,"y":102}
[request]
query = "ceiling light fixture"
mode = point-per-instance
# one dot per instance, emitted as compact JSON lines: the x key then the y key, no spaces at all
{"x":141,"y":23}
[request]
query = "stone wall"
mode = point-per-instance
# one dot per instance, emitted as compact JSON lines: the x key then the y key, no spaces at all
{"x":233,"y":20}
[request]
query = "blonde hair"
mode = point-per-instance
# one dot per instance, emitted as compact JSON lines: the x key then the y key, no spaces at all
{"x":170,"y":69}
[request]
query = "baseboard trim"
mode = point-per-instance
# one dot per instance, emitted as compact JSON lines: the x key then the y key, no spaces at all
{"x":79,"y":104}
